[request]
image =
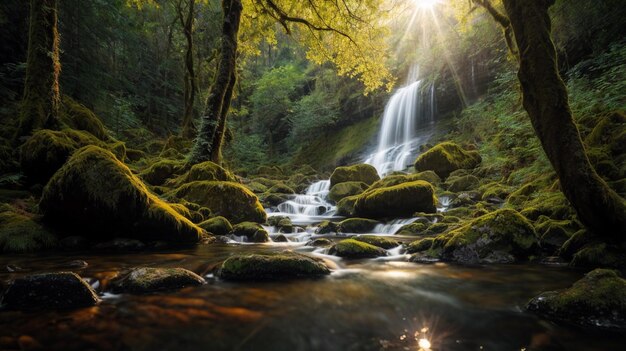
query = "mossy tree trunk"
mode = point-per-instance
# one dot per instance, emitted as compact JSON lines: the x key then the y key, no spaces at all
{"x":41,"y":100}
{"x":188,"y":129}
{"x":546,"y":101}
{"x":210,"y":135}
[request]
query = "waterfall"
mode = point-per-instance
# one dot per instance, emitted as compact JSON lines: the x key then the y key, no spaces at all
{"x":310,"y":207}
{"x":410,"y":108}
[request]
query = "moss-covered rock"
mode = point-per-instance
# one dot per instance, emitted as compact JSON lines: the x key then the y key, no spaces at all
{"x":269,"y":171}
{"x":147,"y":280}
{"x":253,"y":232}
{"x":326,"y":227}
{"x":397,"y":201}
{"x":95,"y":194}
{"x":206,"y":171}
{"x":553,"y":234}
{"x":79,"y":117}
{"x":281,"y":188}
{"x":463,"y":183}
{"x":416,"y":228}
{"x":217,"y":226}
{"x":159,"y":172}
{"x":19,"y":232}
{"x":256,"y":187}
{"x":319,"y":242}
{"x":420,"y":245}
{"x":356,"y":173}
{"x":487,"y":238}
{"x":61,"y":290}
{"x":357,"y":225}
{"x":598,"y":300}
{"x":445,"y":158}
{"x":345,"y":206}
{"x":494,"y":190}
{"x":351,"y":248}
{"x":227,"y":199}
{"x":599,"y":254}
{"x":378,"y":241}
{"x":345,"y":189}
{"x":284,"y":265}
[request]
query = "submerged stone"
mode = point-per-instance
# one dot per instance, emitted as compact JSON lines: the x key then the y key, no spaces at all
{"x":62,"y":290}
{"x":287,"y":265}
{"x":597,"y":300}
{"x":351,"y":248}
{"x":148,"y":280}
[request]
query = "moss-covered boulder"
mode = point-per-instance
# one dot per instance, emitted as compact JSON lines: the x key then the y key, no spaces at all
{"x":598,"y":300}
{"x":319,"y":242}
{"x":159,"y":172}
{"x":462,"y":183}
{"x":147,"y":280}
{"x":62,"y":290}
{"x":227,"y":199}
{"x":20,"y":232}
{"x":207,"y":171}
{"x":356,"y":173}
{"x":281,"y":188}
{"x":285,"y":265}
{"x":357,"y":225}
{"x":445,"y":158}
{"x":253,"y":232}
{"x":217,"y":226}
{"x":345,"y":206}
{"x":420,"y":245}
{"x":96,"y":195}
{"x":378,"y":241}
{"x":351,"y":248}
{"x":345,"y":189}
{"x":395,"y":179}
{"x":397,"y":201}
{"x":500,"y":236}
{"x":269,"y":171}
{"x":77,"y":116}
{"x":256,"y":187}
{"x":599,"y":254}
{"x":327,"y":227}
{"x":416,"y":228}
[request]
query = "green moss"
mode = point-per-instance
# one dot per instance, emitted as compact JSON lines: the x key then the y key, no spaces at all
{"x":254,"y":232}
{"x":356,"y":173}
{"x":228,"y":199}
{"x":598,"y":255}
{"x":205,"y":171}
{"x":596,"y":300}
{"x":79,"y":117}
{"x":351,"y":248}
{"x":19,"y":232}
{"x":267,"y":182}
{"x":357,"y":225}
{"x":395,"y":179}
{"x":416,"y":228}
{"x":146,"y":280}
{"x":446,"y":157}
{"x":345,"y":189}
{"x":270,"y":171}
{"x":281,"y":188}
{"x":420,"y":245}
{"x":256,"y":187}
{"x":286,"y":265}
{"x":95,"y":194}
{"x":504,"y":231}
{"x":326,"y":227}
{"x":462,"y":183}
{"x":397,"y":201}
{"x":494,"y":190}
{"x":345,"y":206}
{"x":378,"y":241}
{"x":159,"y":172}
{"x":217,"y":226}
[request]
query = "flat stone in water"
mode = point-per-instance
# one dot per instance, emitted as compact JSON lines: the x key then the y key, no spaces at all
{"x":60,"y":290}
{"x":279,"y":266}
{"x":147,"y":280}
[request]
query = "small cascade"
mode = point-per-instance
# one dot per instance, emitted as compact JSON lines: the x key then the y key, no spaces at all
{"x":411,"y":108}
{"x":393,"y":226}
{"x":310,"y":207}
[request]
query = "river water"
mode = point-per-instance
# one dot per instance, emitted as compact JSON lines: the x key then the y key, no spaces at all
{"x":362,"y":305}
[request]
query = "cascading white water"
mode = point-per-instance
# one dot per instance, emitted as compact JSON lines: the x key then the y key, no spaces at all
{"x":392,"y":226}
{"x":406,"y":111}
{"x":310,"y":207}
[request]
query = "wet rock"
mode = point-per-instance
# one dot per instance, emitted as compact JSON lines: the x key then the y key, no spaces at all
{"x":345,"y":189}
{"x":97,"y":195}
{"x":445,"y":158}
{"x":420,"y":245}
{"x":281,"y":239}
{"x":60,"y":290}
{"x":351,"y":248}
{"x":281,"y":188}
{"x":463,"y":183}
{"x":397,"y":201}
{"x":412,"y":229}
{"x":253,"y":232}
{"x":598,"y":300}
{"x":599,"y":255}
{"x":357,"y":225}
{"x":217,"y":226}
{"x":286,"y":265}
{"x":326,"y":227}
{"x":345,"y":206}
{"x":356,"y":173}
{"x":487,"y":238}
{"x":378,"y":241}
{"x":121,"y":244}
{"x":147,"y":280}
{"x":319,"y":242}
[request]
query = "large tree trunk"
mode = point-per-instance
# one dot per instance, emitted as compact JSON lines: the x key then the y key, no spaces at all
{"x":190,"y":75}
{"x":40,"y":103}
{"x":219,"y":98}
{"x":546,"y":101}
{"x":218,"y":138}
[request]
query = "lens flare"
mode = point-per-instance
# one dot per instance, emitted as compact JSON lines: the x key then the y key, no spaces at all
{"x":426,"y":4}
{"x":424,"y":344}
